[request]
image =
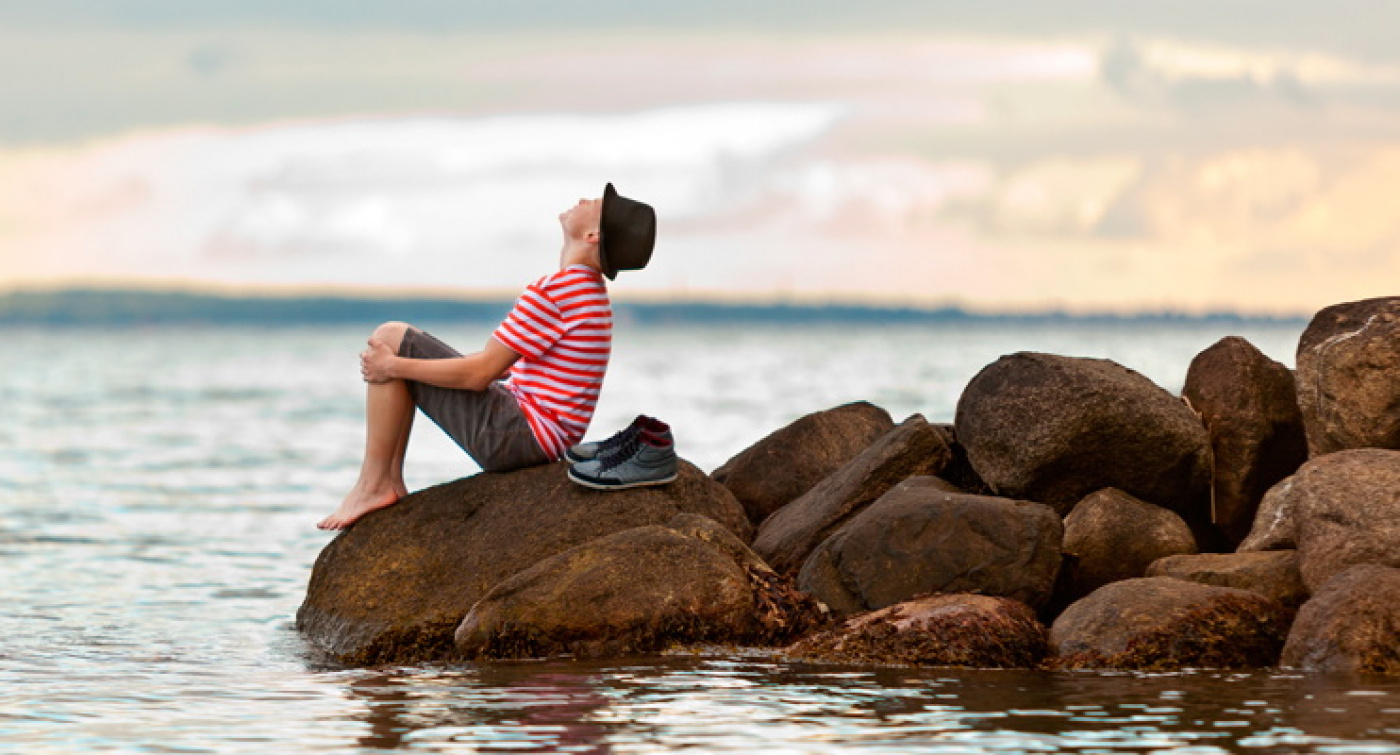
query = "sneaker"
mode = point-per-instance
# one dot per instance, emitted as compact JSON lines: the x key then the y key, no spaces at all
{"x":590,"y":451}
{"x":638,"y":462}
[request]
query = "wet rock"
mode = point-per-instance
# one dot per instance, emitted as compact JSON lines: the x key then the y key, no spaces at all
{"x":1273,"y":574}
{"x":1160,"y":623}
{"x":778,"y":469}
{"x":1249,"y":405}
{"x":781,"y":611}
{"x":788,"y":537}
{"x":925,"y":536}
{"x":394,"y":587}
{"x":1054,"y":429}
{"x":1114,"y":536}
{"x":1347,"y":511}
{"x":639,"y":590}
{"x":1274,"y":527}
{"x":1349,"y":376}
{"x":970,"y":631}
{"x":1352,"y":624}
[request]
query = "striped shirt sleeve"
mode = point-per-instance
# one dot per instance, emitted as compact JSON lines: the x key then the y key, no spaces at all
{"x":533,"y":326}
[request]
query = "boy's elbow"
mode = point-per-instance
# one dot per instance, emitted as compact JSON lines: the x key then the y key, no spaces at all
{"x":477,"y":380}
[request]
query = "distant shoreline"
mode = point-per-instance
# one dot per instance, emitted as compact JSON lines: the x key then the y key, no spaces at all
{"x":128,"y":307}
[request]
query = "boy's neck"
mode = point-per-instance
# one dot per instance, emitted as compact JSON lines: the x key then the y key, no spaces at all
{"x":580,"y":254}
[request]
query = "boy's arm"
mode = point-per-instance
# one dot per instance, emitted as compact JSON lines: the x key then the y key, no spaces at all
{"x":473,"y":372}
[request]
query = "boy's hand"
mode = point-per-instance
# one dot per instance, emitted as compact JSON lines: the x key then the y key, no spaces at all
{"x":376,"y":362}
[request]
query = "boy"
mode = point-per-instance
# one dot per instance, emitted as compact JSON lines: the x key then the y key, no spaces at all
{"x":529,"y":394}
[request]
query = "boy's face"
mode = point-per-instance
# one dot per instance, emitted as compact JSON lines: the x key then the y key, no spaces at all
{"x":582,"y":219}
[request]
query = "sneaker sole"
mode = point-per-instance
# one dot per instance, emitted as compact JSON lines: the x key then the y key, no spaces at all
{"x":620,"y":485}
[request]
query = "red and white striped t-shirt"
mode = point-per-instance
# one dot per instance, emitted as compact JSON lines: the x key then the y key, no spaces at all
{"x":562,"y":329}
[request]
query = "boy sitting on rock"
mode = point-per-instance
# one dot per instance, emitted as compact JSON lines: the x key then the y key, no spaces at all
{"x":529,"y":394}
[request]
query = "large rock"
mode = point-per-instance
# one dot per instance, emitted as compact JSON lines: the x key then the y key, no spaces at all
{"x":1273,"y":574}
{"x":1054,"y":429}
{"x":1351,"y":624}
{"x":788,"y":537}
{"x":778,"y":469}
{"x":1347,"y":511}
{"x":1274,"y":527}
{"x":639,"y":590}
{"x":1160,"y":623}
{"x":1113,"y":536}
{"x":972,"y":631}
{"x":1349,"y":376}
{"x":925,"y":536}
{"x":1250,"y":408}
{"x":394,"y":587}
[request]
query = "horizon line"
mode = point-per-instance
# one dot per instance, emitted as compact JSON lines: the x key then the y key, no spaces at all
{"x":718,"y":303}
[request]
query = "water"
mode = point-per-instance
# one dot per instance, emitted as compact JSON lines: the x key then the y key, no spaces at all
{"x":157,"y":495}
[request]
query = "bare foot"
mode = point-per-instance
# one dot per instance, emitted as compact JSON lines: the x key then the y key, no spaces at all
{"x":356,"y":505}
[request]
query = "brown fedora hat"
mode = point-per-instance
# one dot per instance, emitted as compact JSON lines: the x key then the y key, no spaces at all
{"x":629,"y":233}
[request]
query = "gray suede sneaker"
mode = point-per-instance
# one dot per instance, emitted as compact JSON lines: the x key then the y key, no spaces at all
{"x":589,"y":451}
{"x":636,"y":463}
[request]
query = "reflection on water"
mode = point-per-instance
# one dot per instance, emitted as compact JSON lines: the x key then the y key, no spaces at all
{"x":543,"y":709}
{"x":740,"y":703}
{"x":157,"y":496}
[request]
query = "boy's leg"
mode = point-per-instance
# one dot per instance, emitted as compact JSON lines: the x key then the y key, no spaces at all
{"x":388,"y":421}
{"x":488,"y":424}
{"x":401,"y":451}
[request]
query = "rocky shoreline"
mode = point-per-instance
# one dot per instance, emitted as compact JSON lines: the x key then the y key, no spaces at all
{"x":1074,"y":515}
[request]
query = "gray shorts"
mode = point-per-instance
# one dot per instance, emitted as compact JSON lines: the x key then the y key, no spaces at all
{"x":489,"y":425}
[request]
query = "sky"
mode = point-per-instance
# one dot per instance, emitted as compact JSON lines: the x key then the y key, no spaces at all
{"x":1072,"y":154}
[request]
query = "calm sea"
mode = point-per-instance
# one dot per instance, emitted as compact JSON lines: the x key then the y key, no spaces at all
{"x":158,"y":490}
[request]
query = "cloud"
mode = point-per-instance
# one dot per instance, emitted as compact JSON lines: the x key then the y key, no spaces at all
{"x":1217,"y":80}
{"x":347,"y":202}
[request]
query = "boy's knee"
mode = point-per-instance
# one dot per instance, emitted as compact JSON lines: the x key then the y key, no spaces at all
{"x":391,"y":333}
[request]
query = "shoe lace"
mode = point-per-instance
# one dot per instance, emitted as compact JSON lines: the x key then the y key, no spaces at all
{"x":615,"y":441}
{"x":626,"y":449}
{"x":618,"y":438}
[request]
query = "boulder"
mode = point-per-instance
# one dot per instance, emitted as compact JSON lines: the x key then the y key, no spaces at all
{"x":781,"y":611}
{"x":1165,"y":624}
{"x":1347,"y":511}
{"x":1274,"y":528}
{"x":1054,"y":429}
{"x":394,"y":587}
{"x":1249,"y":405}
{"x":1349,"y":376}
{"x":640,"y":590}
{"x":1273,"y":574}
{"x":971,"y":631}
{"x":925,"y":536}
{"x":788,"y":537}
{"x":778,"y":469}
{"x":1351,"y":624}
{"x":1113,"y":536}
